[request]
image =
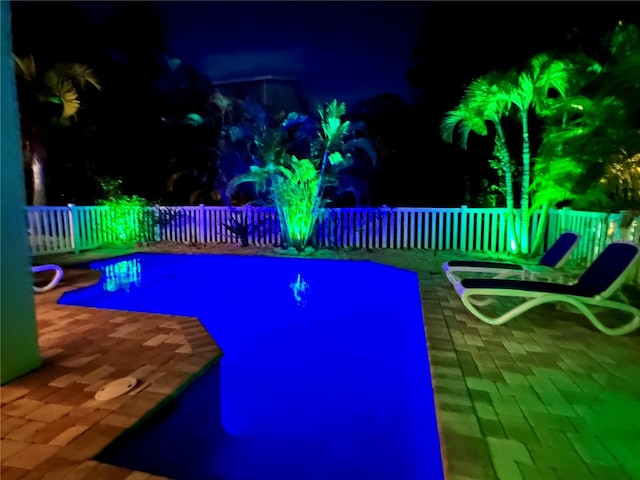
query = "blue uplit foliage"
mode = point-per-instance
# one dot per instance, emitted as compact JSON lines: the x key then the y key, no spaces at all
{"x":300,"y":188}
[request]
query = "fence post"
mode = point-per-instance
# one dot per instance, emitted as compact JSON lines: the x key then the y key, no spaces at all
{"x":552,"y":226}
{"x":157,"y":222}
{"x":74,"y":223}
{"x":563,"y":218}
{"x":201,"y":224}
{"x":463,"y":228}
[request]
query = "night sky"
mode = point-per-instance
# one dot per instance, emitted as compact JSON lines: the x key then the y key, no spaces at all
{"x":353,"y":50}
{"x":346,"y":50}
{"x":349,"y":50}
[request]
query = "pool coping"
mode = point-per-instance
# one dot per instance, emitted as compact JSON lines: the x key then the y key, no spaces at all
{"x":62,"y":426}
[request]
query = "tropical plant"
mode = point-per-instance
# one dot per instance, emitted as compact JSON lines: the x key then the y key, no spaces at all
{"x":486,"y":99}
{"x":544,"y":78}
{"x":191,"y":126}
{"x":522,"y":96}
{"x":253,"y":137}
{"x":239,"y":226}
{"x":128,"y":220}
{"x":291,"y":186}
{"x":297,"y":186}
{"x":559,"y":104}
{"x":595,"y":149}
{"x":610,"y":128}
{"x":49,"y":99}
{"x":548,"y":87}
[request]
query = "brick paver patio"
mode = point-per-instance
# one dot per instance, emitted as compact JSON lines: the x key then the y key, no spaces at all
{"x":546,"y":396}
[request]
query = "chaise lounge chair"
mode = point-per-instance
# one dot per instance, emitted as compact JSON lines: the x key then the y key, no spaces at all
{"x":54,"y":281}
{"x":589,"y":295}
{"x":548,"y":267}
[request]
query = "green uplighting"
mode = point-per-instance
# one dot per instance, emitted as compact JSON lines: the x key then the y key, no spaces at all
{"x":127,"y":220}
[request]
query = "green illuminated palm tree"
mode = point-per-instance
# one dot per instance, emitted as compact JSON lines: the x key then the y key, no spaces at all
{"x":619,"y":105}
{"x":558,"y":103}
{"x":621,"y":178}
{"x":487,"y":99}
{"x":531,"y":92}
{"x":622,"y":171}
{"x":522,"y":97}
{"x":591,"y":155}
{"x":44,"y":100}
{"x":544,"y":88}
{"x":610,"y":132}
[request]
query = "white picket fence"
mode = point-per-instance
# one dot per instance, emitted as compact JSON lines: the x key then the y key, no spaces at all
{"x":74,"y":228}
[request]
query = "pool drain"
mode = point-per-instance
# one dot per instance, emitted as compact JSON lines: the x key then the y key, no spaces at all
{"x":116,"y":388}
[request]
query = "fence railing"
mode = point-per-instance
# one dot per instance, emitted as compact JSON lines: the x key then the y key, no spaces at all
{"x":74,"y":228}
{"x":597,"y":230}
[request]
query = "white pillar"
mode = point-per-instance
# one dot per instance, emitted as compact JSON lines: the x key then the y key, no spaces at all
{"x":19,"y":352}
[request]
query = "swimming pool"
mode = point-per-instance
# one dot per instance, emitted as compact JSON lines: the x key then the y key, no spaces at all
{"x":324,"y":375}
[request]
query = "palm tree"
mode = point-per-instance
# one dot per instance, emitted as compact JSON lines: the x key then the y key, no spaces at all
{"x":531,"y":90}
{"x":487,"y":99}
{"x":592,"y":154}
{"x":557,"y":101}
{"x":297,"y":186}
{"x":49,"y":99}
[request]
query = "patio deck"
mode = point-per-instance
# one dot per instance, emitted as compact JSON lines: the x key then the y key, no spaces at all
{"x":546,"y":396}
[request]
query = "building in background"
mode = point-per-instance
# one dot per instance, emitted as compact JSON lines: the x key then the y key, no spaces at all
{"x":279,"y":94}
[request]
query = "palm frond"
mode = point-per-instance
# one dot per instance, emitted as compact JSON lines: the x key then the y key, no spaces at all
{"x":522,"y":96}
{"x":25,"y":67}
{"x":304,"y":170}
{"x":332,"y":110}
{"x":363,"y":144}
{"x":80,"y":74}
{"x":466,"y":121}
{"x":220,"y":101}
{"x":551,"y":196}
{"x":335,"y":158}
{"x":66,"y":95}
{"x":63,"y":81}
{"x":448,"y":125}
{"x":554,"y":180}
{"x":294,"y":119}
{"x":623,"y":79}
{"x":258,"y":176}
{"x":489,"y":94}
{"x":486,"y":98}
{"x":192,"y":119}
{"x":624,"y":39}
{"x":239,"y":132}
{"x":333,"y":128}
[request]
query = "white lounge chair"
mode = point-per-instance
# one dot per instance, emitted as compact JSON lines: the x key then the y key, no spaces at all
{"x":54,"y":281}
{"x":589,"y":295}
{"x":548,"y":267}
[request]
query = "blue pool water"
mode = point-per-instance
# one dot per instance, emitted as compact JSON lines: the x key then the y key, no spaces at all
{"x":324,"y":376}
